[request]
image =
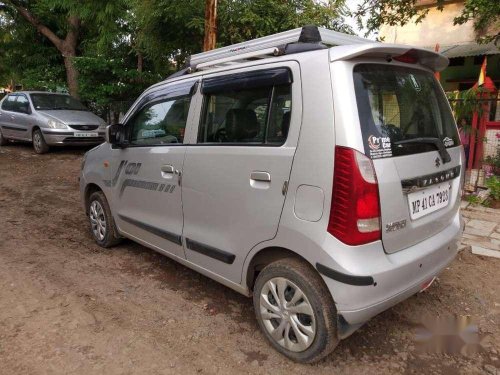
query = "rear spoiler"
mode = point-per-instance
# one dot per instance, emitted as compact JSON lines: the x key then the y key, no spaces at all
{"x":432,"y":60}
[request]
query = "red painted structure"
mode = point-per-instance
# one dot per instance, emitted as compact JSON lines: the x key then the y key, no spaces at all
{"x":480,"y":122}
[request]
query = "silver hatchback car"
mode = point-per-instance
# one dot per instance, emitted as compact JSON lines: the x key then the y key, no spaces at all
{"x":318,"y":172}
{"x":48,"y":119}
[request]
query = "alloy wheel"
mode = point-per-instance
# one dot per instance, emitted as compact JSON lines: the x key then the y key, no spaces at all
{"x":97,"y":220}
{"x":37,"y":141}
{"x":287,"y":314}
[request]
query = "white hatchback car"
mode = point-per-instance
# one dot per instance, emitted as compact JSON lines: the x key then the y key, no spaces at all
{"x":324,"y":181}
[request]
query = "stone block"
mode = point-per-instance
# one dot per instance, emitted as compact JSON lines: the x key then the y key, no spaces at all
{"x":485,"y":252}
{"x":480,"y":227}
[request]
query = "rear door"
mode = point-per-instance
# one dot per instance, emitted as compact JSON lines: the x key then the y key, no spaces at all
{"x":23,"y":117}
{"x":147,"y":199}
{"x":8,"y":117}
{"x":235,"y":175}
{"x":409,"y":133}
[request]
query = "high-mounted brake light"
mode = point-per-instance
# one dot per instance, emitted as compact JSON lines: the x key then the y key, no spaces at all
{"x":355,"y":208}
{"x":408,"y":58}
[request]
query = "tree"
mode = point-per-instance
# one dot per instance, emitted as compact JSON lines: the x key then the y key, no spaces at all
{"x":62,"y":21}
{"x":210,"y":25}
{"x":372,"y":14}
{"x":27,"y":57}
{"x":171,"y":30}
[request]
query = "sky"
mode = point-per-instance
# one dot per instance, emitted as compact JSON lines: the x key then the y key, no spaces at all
{"x":352,"y":5}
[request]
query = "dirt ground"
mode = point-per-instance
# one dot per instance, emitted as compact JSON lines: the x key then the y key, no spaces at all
{"x":70,"y":307}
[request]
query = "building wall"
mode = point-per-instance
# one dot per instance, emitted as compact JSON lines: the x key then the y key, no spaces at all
{"x":469,"y":71}
{"x":436,"y":27}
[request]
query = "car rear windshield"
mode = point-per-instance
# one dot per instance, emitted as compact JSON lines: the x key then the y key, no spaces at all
{"x":43,"y":102}
{"x":402,"y":111}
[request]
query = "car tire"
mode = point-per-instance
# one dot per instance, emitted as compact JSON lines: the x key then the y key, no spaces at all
{"x":3,"y":141}
{"x":102,"y":224}
{"x":39,"y":144}
{"x":283,"y":326}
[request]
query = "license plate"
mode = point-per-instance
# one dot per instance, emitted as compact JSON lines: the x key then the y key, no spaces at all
{"x":429,"y":200}
{"x":84,"y":135}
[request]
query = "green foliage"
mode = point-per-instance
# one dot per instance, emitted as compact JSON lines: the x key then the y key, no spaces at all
{"x":27,"y":58}
{"x":244,"y":20}
{"x":372,"y":14}
{"x":473,"y":199}
{"x":171,"y":30}
{"x":485,"y":14}
{"x":124,"y":46}
{"x":111,"y":83}
{"x":493,"y":183}
{"x":494,"y":161}
{"x":465,"y":103}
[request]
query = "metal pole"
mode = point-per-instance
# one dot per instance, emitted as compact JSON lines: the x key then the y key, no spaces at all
{"x":210,"y":25}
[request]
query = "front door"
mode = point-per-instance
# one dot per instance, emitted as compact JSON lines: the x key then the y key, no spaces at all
{"x":147,"y":200}
{"x":235,"y":176}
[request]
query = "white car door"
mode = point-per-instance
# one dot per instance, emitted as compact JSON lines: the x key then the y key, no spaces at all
{"x":236,"y":171}
{"x":146,"y":173}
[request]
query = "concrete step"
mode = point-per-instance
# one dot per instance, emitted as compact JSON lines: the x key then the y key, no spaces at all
{"x":478,"y":250}
{"x":481,"y":228}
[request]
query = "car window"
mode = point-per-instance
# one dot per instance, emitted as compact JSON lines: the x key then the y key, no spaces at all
{"x":250,"y":116}
{"x":49,"y":101}
{"x":398,"y":104}
{"x":161,"y":122}
{"x":22,"y":104}
{"x":9,"y":103}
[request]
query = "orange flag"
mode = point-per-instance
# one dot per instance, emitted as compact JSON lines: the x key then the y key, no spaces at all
{"x":482,"y":73}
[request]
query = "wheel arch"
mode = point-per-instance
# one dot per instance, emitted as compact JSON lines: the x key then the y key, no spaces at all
{"x":33,"y":129}
{"x":90,"y":188}
{"x":265,"y":257}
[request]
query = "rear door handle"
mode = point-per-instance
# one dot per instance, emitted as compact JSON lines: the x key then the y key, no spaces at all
{"x":167,"y":169}
{"x":260,"y":176}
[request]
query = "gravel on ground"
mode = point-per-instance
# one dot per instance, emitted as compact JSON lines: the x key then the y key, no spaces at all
{"x":70,"y":307}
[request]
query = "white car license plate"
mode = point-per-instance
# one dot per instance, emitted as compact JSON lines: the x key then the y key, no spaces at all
{"x":429,"y":200}
{"x":84,"y":135}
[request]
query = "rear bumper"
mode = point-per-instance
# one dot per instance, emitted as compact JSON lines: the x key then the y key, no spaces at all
{"x":396,"y":277}
{"x":59,"y":138}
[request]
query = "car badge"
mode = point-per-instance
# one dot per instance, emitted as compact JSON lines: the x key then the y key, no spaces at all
{"x":438,"y":162}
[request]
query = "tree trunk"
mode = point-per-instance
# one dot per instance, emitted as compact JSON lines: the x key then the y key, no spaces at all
{"x":71,"y":74}
{"x":66,"y":46}
{"x":140,"y":62}
{"x":210,"y":25}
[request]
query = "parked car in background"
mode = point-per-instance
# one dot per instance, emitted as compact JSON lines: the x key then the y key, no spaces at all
{"x":323,"y":181}
{"x":48,"y":119}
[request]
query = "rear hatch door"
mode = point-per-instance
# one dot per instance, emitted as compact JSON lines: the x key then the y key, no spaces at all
{"x":409,"y":133}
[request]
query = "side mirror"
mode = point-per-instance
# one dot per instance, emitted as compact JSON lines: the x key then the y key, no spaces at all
{"x":115,"y":135}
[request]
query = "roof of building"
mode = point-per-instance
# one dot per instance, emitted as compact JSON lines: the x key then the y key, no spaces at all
{"x":469,"y":49}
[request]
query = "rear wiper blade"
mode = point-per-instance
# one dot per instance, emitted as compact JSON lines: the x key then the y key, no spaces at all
{"x":430,"y":141}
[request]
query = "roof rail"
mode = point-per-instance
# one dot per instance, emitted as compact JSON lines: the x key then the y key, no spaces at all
{"x":275,"y":44}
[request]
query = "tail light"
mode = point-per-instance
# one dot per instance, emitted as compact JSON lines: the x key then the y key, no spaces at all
{"x":355,"y":208}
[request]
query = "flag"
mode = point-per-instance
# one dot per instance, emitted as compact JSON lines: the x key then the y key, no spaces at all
{"x":482,"y":73}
